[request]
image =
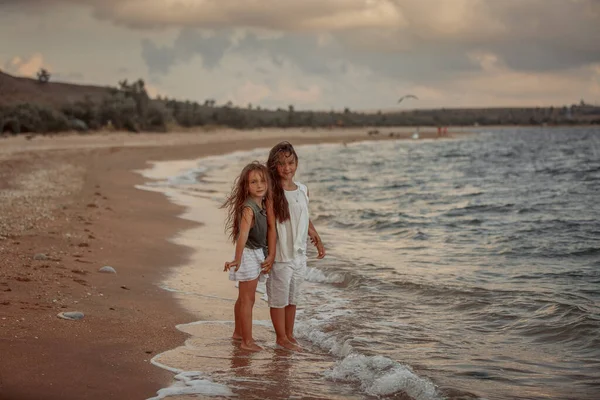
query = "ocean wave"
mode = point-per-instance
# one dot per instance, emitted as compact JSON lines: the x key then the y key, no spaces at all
{"x":436,"y":290}
{"x":193,"y":383}
{"x":317,"y":276}
{"x":376,"y":375}
{"x":527,"y":210}
{"x":480,"y":208}
{"x":559,"y":323}
{"x":589,"y":251}
{"x":371,"y":223}
{"x":381,"y":376}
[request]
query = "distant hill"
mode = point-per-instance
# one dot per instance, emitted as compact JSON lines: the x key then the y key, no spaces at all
{"x":27,"y":105}
{"x":15,"y":90}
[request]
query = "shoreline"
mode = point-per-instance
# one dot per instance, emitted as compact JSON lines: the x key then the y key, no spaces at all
{"x":94,"y":217}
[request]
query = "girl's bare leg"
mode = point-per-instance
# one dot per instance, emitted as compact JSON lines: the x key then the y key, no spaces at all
{"x":237,"y":330}
{"x":290,"y":318}
{"x":278,"y":316}
{"x":247,"y":297}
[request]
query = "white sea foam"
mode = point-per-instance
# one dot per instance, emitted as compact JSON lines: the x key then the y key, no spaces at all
{"x":318,"y":276}
{"x":193,"y":383}
{"x":377,"y":375}
{"x":380,"y":376}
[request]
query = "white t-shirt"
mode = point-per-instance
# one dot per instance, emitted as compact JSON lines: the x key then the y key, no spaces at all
{"x":292,"y":234}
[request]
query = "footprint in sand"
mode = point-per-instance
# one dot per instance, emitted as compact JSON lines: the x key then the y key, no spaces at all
{"x":79,"y":271}
{"x":80,"y":281}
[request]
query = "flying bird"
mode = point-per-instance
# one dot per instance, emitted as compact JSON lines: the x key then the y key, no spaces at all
{"x":408,"y":96}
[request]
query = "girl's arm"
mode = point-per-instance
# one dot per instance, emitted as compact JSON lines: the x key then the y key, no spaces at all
{"x":271,"y":236}
{"x":245,"y":224}
{"x":316,"y":239}
{"x":314,"y":236}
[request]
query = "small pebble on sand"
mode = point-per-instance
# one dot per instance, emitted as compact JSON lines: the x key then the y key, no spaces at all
{"x":71,"y":315}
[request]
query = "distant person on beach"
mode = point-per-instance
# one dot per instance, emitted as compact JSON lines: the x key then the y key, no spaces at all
{"x":251,"y":223}
{"x":290,"y":207}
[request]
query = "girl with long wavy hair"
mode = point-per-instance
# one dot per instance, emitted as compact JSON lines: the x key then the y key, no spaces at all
{"x":251,"y":224}
{"x":294,"y":227}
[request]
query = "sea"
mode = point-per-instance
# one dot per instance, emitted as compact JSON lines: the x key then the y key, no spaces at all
{"x":464,"y":268}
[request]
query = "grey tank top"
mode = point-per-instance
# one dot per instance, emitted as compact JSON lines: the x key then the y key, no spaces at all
{"x":257,"y":237}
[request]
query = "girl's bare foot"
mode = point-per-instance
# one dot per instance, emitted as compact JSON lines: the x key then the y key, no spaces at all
{"x":286,"y":344}
{"x":250,"y":346}
{"x":236,"y":336}
{"x":292,"y":339}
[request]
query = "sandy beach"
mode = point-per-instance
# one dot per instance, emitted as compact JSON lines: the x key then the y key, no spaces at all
{"x":69,"y":206}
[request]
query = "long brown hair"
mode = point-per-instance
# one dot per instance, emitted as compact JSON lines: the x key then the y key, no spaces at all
{"x":238,"y":196}
{"x":280,"y":203}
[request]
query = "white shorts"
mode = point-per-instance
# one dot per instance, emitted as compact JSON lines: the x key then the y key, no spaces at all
{"x":249,"y":267}
{"x":283,"y":284}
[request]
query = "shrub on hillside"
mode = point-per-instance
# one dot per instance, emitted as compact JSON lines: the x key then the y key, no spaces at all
{"x":120,"y":112}
{"x":8,"y":124}
{"x":25,"y":118}
{"x":53,"y":120}
{"x":85,"y":111}
{"x":156,"y":119}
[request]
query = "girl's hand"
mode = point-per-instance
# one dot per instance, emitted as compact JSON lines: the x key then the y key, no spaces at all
{"x":267,"y":264}
{"x":320,"y":249}
{"x":316,"y":240}
{"x":314,"y":237}
{"x":232,"y":264}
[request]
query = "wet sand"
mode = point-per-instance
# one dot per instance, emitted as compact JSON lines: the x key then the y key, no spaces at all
{"x":68,"y":206}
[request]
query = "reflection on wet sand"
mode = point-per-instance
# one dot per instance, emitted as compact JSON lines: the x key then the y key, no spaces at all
{"x":273,"y":373}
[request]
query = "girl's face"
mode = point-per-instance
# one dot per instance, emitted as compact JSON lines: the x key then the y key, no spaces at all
{"x":257,"y":185}
{"x":286,"y":166}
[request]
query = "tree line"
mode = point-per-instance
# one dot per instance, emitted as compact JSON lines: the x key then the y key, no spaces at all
{"x":129,"y":107}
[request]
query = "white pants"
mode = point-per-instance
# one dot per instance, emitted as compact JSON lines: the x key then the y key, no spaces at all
{"x":283,"y":284}
{"x":249,"y":267}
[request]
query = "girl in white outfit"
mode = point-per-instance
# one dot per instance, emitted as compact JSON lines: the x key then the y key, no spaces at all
{"x":290,"y":208}
{"x":251,"y":223}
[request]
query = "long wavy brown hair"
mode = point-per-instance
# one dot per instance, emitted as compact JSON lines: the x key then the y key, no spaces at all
{"x":280,"y":203}
{"x":239,"y":194}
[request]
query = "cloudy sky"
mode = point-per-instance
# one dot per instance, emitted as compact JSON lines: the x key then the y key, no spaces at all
{"x":323,"y":54}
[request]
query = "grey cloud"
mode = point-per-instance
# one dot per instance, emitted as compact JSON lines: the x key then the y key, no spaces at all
{"x":430,"y":40}
{"x":205,"y":14}
{"x":543,"y":57}
{"x":188,"y":44}
{"x":28,"y":7}
{"x":547,"y":35}
{"x":303,"y":51}
{"x":159,"y":59}
{"x":300,"y":50}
